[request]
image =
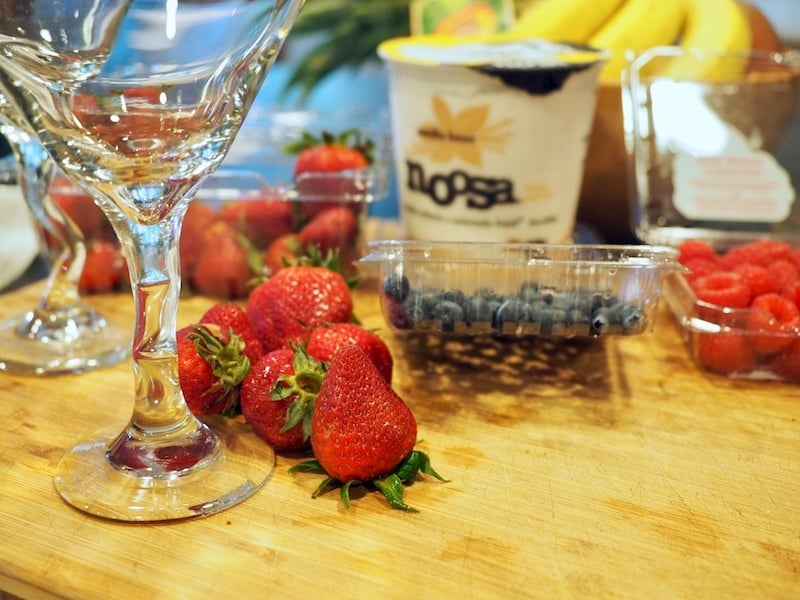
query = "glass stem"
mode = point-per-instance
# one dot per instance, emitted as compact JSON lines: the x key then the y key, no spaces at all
{"x":163,"y":435}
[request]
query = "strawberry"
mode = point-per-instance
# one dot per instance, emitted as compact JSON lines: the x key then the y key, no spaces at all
{"x":198,"y":220}
{"x":104,"y":269}
{"x":79,"y":206}
{"x":278,"y":395}
{"x":231,"y":316}
{"x":334,"y":228}
{"x":296,"y":299}
{"x":211,"y":365}
{"x":223,"y":268}
{"x":282,"y":252}
{"x":728,"y":353}
{"x":261,"y":220}
{"x":324,"y":342}
{"x":772,"y":323}
{"x":363,"y":432}
{"x":322,"y":165}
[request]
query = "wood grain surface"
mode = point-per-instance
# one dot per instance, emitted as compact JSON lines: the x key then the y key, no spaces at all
{"x":611,"y":469}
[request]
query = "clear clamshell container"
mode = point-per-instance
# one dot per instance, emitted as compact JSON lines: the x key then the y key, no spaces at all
{"x":517,"y":290}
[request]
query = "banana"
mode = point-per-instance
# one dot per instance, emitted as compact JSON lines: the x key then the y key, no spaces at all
{"x":712,"y":26}
{"x":564,"y":20}
{"x":637,"y":26}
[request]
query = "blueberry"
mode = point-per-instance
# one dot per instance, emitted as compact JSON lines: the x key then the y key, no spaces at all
{"x":603,"y":318}
{"x":632,"y":318}
{"x":510,"y":314}
{"x":549,"y":319}
{"x":396,"y":286}
{"x":478,"y":309}
{"x":449,"y":314}
{"x":452,"y":295}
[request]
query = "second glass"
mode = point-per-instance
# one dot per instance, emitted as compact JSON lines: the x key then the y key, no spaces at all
{"x":138,"y":101}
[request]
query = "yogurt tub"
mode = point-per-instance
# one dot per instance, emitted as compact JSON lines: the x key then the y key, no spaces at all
{"x":490,"y":135}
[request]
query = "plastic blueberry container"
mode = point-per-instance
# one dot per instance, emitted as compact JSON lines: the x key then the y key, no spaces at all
{"x":519,"y":290}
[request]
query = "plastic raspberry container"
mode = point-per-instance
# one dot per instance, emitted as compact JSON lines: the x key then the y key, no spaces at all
{"x":518,"y":290}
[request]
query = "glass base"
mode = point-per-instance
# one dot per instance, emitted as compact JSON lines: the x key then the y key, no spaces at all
{"x":48,"y":344}
{"x":86,"y":479}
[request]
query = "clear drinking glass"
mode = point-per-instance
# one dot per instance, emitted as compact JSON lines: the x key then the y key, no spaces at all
{"x":62,"y":333}
{"x":138,"y":101}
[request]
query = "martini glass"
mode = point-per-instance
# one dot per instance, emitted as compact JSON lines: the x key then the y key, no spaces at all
{"x":138,"y":102}
{"x":62,"y":333}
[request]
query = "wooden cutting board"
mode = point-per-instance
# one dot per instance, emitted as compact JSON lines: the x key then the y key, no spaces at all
{"x":612,"y":469}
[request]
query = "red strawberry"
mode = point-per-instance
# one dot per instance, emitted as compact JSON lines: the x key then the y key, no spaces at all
{"x":333,"y":229}
{"x":104,"y":269}
{"x":772,"y":323}
{"x":320,"y":164}
{"x":292,"y":302}
{"x":324,"y":342}
{"x":261,"y":220}
{"x":278,"y":395}
{"x":727,"y":353}
{"x":282,"y":252}
{"x":223,"y":267}
{"x":198,"y":220}
{"x":722,"y":289}
{"x":362,"y":431}
{"x":79,"y":206}
{"x":228,"y":315}
{"x":211,"y":365}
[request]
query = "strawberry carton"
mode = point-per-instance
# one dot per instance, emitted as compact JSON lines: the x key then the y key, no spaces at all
{"x":240,"y":229}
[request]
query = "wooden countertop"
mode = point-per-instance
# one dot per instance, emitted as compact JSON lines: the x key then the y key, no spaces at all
{"x":614,"y":469}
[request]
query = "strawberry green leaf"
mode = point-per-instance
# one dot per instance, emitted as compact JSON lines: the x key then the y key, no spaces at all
{"x":344,"y":494}
{"x":415,"y":462}
{"x":392,"y":489}
{"x":310,"y":466}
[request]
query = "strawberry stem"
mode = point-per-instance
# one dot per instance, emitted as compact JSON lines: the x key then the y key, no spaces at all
{"x":304,"y":385}
{"x":391,"y":486}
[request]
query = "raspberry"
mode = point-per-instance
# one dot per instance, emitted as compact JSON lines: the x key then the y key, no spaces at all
{"x":772,"y":323}
{"x":756,"y":277}
{"x":696,"y":249}
{"x":792,"y":291}
{"x":782,"y":272}
{"x":727,"y":353}
{"x":698,"y":267}
{"x":786,"y":363}
{"x":722,"y":289}
{"x":759,"y":252}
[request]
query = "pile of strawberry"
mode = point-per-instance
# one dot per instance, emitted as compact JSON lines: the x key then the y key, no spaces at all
{"x":763,"y":278}
{"x":225,"y":248}
{"x":306,"y":377}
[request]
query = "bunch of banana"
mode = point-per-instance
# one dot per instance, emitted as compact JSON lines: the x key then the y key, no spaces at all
{"x":633,"y":26}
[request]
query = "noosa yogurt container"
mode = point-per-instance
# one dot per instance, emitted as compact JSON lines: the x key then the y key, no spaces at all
{"x":490,"y":135}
